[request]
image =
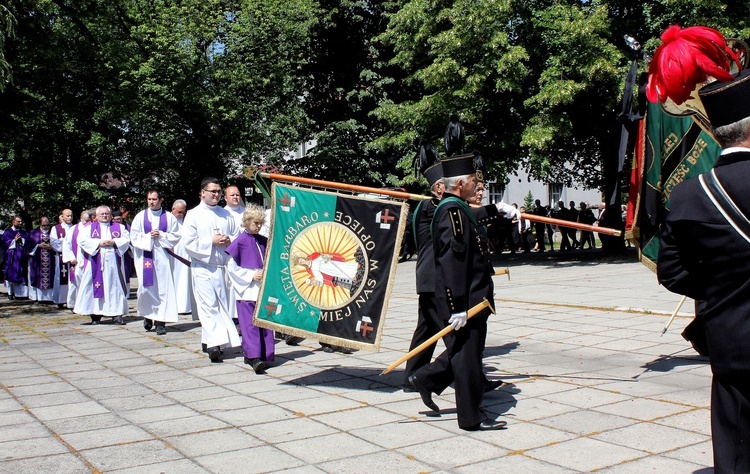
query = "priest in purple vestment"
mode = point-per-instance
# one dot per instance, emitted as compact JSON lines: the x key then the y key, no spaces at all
{"x":42,"y":263}
{"x":14,"y":247}
{"x":245,"y":269}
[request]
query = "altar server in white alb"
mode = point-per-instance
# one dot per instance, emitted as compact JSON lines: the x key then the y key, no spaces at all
{"x":102,"y":290}
{"x":73,"y":256}
{"x":153,"y":234}
{"x":207,"y":231}
{"x":181,"y":266}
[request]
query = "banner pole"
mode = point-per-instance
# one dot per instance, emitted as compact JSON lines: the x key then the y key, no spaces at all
{"x":420,"y":197}
{"x":344,"y":186}
{"x":669,"y":323}
{"x":472,"y":312}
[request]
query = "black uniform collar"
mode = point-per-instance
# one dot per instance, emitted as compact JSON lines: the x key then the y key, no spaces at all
{"x":730,"y":158}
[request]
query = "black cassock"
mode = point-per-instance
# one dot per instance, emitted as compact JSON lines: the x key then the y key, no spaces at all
{"x":704,"y":257}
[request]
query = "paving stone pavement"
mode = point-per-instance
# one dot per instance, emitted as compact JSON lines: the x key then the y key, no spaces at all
{"x":591,"y":386}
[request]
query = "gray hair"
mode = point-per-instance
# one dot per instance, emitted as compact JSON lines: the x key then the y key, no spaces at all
{"x":733,"y":134}
{"x":179,"y":202}
{"x":435,"y":184}
{"x":452,"y":182}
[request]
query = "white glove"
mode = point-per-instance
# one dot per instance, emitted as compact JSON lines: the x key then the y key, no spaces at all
{"x":458,"y":320}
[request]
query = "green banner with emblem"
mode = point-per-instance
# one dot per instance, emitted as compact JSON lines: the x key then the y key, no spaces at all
{"x":330,"y":264}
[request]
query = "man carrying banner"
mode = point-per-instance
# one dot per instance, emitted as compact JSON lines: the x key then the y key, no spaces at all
{"x":153,"y":234}
{"x":428,"y":323}
{"x":207,"y":231}
{"x":705,"y":248}
{"x":463,"y":278}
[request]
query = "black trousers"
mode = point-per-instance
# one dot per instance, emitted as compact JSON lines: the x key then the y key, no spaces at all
{"x":460,"y":364}
{"x":428,"y":325}
{"x":730,"y":424}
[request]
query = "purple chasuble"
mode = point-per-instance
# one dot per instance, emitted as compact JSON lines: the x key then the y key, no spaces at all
{"x":16,"y":260}
{"x":41,"y":263}
{"x":148,"y":255}
{"x":97,"y":279}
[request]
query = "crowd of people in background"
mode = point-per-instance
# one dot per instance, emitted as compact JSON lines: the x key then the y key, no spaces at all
{"x":523,"y":235}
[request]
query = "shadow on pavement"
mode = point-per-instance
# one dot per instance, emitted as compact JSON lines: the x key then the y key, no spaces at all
{"x":666,"y":363}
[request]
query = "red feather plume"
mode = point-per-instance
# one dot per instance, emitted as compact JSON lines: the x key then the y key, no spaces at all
{"x":686,"y":58}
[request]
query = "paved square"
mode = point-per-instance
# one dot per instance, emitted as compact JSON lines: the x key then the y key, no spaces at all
{"x":590,"y":385}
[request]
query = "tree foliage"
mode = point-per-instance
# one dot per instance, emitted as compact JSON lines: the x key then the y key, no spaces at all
{"x":100,"y":100}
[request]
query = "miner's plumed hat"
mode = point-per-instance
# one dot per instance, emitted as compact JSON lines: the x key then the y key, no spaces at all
{"x":459,"y":165}
{"x":434,"y":173}
{"x":727,"y":102}
{"x":427,"y":162}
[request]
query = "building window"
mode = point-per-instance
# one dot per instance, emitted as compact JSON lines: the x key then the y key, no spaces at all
{"x":493,"y":192}
{"x":555,"y":193}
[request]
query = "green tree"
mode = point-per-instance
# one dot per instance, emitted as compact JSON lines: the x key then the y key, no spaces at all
{"x":109,"y":98}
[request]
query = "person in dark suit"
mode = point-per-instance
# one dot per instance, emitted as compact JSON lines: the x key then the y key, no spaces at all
{"x":428,"y":323}
{"x":463,"y":278}
{"x":705,"y":254}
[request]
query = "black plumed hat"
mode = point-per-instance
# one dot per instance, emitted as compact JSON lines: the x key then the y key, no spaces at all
{"x":427,"y":163}
{"x":727,"y":102}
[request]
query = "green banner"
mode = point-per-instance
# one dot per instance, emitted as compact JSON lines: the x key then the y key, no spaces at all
{"x":676,"y":148}
{"x":330,"y":263}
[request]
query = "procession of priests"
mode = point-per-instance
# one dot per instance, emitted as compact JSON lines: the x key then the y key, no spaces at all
{"x":178,"y":257}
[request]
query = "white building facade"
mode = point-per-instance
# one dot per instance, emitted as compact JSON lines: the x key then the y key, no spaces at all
{"x":519,"y":185}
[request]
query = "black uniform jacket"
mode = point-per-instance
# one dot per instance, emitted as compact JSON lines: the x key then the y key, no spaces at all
{"x":703,"y":257}
{"x":425,"y":256}
{"x":463,"y":272}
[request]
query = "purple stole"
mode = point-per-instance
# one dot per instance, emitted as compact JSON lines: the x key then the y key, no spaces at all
{"x":41,"y":263}
{"x":97,"y":279}
{"x":63,"y":267}
{"x":148,"y":255}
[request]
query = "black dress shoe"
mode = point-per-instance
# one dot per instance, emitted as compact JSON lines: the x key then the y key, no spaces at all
{"x":488,"y":425}
{"x":490,"y":385}
{"x":214,"y":353}
{"x":408,"y":387}
{"x":147,"y":324}
{"x":118,"y":320}
{"x":258,"y":365}
{"x":293,"y":340}
{"x":161,"y":330}
{"x":424,"y":393}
